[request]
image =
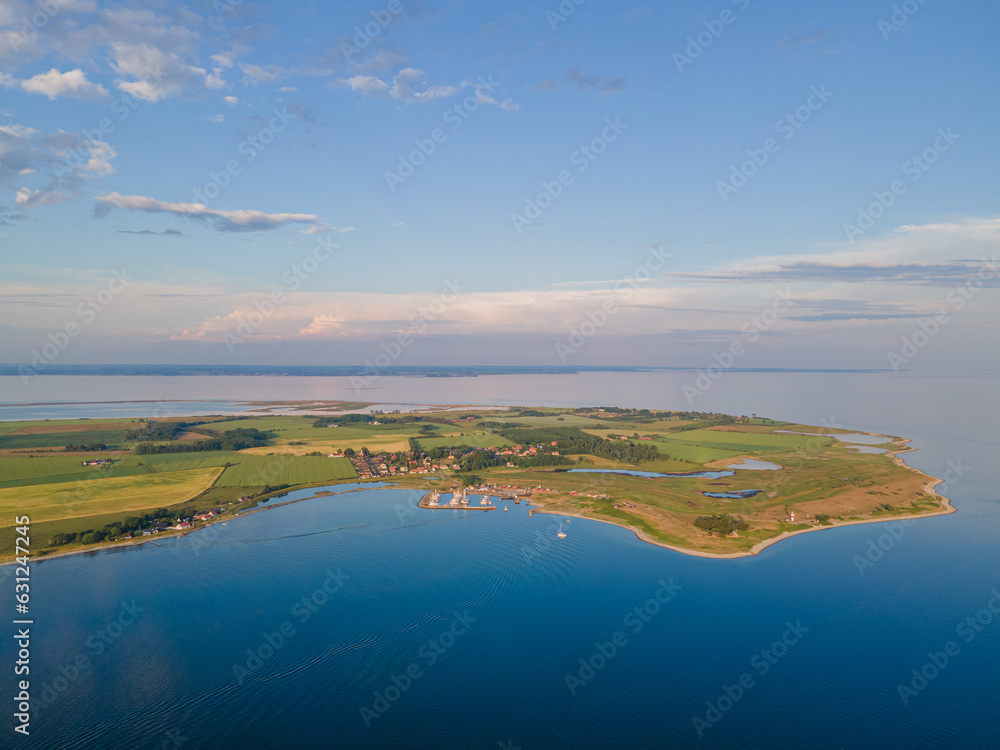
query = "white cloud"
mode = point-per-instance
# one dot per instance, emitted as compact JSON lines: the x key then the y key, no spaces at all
{"x":232,"y":101}
{"x":148,"y":73}
{"x":48,"y":168}
{"x":72,"y":84}
{"x":322,"y":326}
{"x":408,"y":86}
{"x":27,"y":198}
{"x":99,"y":156}
{"x":254,"y":74}
{"x":326,"y":229}
{"x":507,"y":105}
{"x":381,"y":60}
{"x":224,"y":221}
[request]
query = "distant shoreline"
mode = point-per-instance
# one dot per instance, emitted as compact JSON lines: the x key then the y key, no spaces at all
{"x":20,"y":370}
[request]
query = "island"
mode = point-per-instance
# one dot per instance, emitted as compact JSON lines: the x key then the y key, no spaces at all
{"x":701,"y":483}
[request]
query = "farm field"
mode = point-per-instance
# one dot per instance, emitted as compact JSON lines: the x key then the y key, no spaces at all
{"x":53,"y":439}
{"x":16,"y":471}
{"x":258,"y":471}
{"x":473,"y":440}
{"x":117,"y":494}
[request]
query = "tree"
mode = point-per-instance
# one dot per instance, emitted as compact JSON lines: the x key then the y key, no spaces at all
{"x":721,"y":524}
{"x":90,"y":538}
{"x":131,"y":523}
{"x":349,"y":452}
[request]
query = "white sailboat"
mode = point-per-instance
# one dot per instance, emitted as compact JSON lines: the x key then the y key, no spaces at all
{"x":561,"y":534}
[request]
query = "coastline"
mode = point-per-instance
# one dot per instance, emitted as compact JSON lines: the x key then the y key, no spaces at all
{"x":154,"y":540}
{"x":929,"y":487}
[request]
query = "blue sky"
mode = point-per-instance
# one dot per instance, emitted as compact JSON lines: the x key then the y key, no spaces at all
{"x":229,"y":158}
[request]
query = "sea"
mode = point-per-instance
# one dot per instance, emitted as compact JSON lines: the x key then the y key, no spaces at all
{"x":357,"y":620}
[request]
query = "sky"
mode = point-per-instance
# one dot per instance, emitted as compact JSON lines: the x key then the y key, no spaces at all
{"x":579,"y":183}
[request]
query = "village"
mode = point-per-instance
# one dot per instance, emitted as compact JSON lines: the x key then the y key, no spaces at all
{"x":416,"y":461}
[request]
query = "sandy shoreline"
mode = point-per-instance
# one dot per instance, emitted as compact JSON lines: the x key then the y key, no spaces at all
{"x":929,"y":488}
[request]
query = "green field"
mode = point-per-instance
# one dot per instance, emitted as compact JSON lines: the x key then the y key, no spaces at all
{"x":746,"y":441}
{"x":94,"y":425}
{"x":473,"y":440}
{"x":22,"y":471}
{"x":88,"y":498}
{"x":698,"y":454}
{"x":259,"y":471}
{"x":59,"y":439}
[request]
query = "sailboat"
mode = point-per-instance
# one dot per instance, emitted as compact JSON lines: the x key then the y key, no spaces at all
{"x":561,"y":534}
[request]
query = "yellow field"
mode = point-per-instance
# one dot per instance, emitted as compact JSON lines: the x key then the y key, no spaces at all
{"x":375,"y":444}
{"x":49,"y":502}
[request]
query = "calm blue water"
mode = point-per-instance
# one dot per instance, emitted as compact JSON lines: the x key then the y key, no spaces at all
{"x":309,"y":492}
{"x":736,"y":495}
{"x":399,"y":575}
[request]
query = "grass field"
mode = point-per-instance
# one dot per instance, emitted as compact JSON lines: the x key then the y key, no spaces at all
{"x":59,"y":439}
{"x":13,"y":468}
{"x":22,"y":471}
{"x":65,"y":425}
{"x":87,"y":498}
{"x":473,"y":440}
{"x":742,"y":441}
{"x":259,"y":471}
{"x":699,"y":454}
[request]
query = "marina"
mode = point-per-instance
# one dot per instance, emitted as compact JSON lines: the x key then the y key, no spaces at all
{"x":458,"y":501}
